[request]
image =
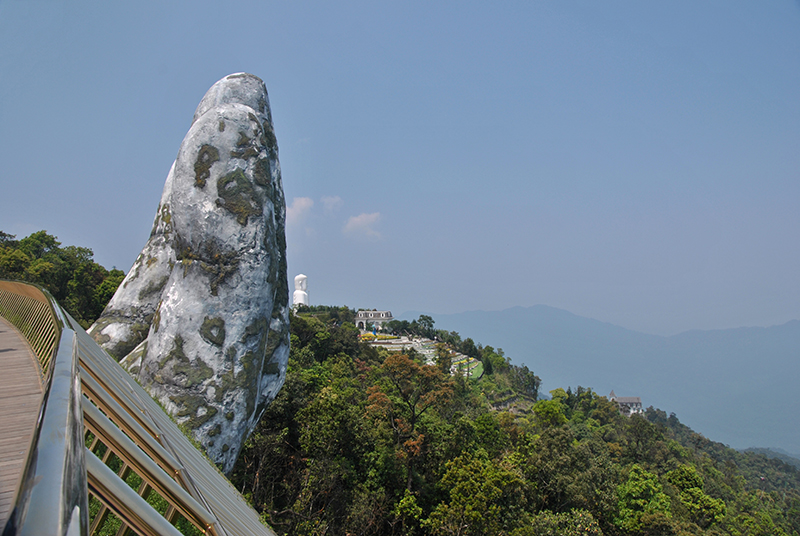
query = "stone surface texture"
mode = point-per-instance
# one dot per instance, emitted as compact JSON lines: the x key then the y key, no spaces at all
{"x":202,"y":318}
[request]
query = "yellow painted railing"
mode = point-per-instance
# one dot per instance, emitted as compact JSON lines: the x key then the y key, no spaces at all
{"x":29,"y":310}
{"x":106,"y":459}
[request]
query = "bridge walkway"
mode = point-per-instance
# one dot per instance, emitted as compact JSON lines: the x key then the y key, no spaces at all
{"x":21,"y":394}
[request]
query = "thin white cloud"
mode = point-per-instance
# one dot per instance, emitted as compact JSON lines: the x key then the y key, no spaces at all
{"x":298,"y":210}
{"x":331,"y":203}
{"x":362,"y":225}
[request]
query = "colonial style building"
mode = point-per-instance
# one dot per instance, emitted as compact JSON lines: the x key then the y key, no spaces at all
{"x":628,"y":405}
{"x":376,"y":318}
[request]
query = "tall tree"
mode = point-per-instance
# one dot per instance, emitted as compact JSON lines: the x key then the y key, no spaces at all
{"x":408,"y":391}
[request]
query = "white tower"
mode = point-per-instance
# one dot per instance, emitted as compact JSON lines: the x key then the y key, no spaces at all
{"x":300,"y":296}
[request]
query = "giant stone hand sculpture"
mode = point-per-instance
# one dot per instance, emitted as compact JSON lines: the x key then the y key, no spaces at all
{"x":202,"y":318}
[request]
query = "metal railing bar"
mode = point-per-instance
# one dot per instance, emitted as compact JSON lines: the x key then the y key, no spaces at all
{"x":124,"y":501}
{"x":111,"y":375}
{"x":206,"y":478}
{"x":130,"y":426}
{"x":123,"y":529}
{"x":52,"y":497}
{"x":158,"y":418}
{"x":119,"y":386}
{"x":31,"y":311}
{"x":125,"y":415}
{"x":123,"y":474}
{"x":190,"y":485}
{"x":145,"y":467}
{"x":100,"y":518}
{"x":106,"y":365}
{"x":112,"y":398}
{"x":103,"y":395}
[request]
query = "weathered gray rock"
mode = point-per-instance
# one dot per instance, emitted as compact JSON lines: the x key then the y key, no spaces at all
{"x":202,"y":318}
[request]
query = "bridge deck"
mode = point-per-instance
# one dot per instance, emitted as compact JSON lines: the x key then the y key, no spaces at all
{"x":20,"y":397}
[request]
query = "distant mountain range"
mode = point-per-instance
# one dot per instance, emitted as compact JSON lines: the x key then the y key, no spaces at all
{"x":737,"y":386}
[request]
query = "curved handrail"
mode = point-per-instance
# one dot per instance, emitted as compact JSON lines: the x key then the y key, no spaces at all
{"x":51,"y":498}
{"x":86,"y":389}
{"x":31,"y":311}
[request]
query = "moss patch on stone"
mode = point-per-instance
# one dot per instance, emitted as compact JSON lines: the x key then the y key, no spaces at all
{"x":262,"y":175}
{"x":100,"y":325}
{"x":213,"y":330}
{"x":157,"y":318}
{"x":237,"y":196}
{"x":176,"y":354}
{"x":101,"y":338}
{"x":270,"y":140}
{"x":156,"y":221}
{"x":275,"y":338}
{"x":189,"y":405}
{"x":272,"y":368}
{"x":166,"y":216}
{"x":153,"y":287}
{"x":162,"y":215}
{"x":135,"y":319}
{"x":276,"y":277}
{"x":186,"y":263}
{"x":138,"y":333}
{"x":195,"y":372}
{"x":244,"y":147}
{"x":132,"y":362}
{"x":258,"y":328}
{"x":206,"y":157}
{"x":220,"y":272}
{"x":251,"y":361}
{"x":217,"y":264}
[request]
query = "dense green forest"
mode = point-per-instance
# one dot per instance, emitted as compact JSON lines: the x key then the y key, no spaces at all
{"x":361,"y":441}
{"x":69,"y":273}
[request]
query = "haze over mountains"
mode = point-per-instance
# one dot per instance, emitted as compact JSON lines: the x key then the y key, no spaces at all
{"x":737,"y":386}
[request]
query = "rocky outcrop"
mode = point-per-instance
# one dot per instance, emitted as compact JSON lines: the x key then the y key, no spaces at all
{"x":202,"y":317}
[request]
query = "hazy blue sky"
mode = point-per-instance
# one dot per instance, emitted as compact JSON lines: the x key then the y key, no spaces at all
{"x":634,"y":162}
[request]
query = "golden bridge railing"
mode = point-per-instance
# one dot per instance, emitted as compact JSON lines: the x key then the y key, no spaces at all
{"x":29,"y":310}
{"x":51,"y":498}
{"x":105,"y":455}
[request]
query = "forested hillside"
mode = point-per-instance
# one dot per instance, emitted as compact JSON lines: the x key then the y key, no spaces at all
{"x":69,"y":273}
{"x":360,"y":441}
{"x":753,"y":367}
